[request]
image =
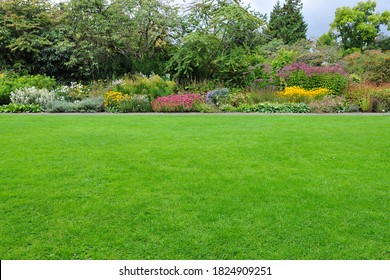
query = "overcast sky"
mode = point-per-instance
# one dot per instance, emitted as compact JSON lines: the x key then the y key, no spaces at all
{"x":318,"y":14}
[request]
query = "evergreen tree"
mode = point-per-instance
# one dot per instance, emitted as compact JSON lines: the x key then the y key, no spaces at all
{"x":287,"y":22}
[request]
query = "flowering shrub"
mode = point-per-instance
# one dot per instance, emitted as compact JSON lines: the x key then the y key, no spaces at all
{"x":372,"y":66}
{"x":117,"y":102}
{"x":298,"y":94}
{"x":32,"y":95}
{"x":177,"y":103}
{"x":310,"y":70}
{"x":217,"y":96}
{"x":308,"y":77}
{"x":112,"y":98}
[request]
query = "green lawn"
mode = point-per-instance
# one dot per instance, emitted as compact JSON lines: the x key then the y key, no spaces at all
{"x":194,"y":187}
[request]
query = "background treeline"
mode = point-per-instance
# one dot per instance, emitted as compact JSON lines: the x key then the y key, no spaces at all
{"x":201,"y":40}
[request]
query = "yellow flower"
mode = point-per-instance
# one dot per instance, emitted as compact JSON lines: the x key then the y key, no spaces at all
{"x":297,"y":93}
{"x":112,"y":97}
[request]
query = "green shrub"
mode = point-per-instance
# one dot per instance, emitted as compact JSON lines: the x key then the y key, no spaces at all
{"x":371,"y":66}
{"x":268,"y":108}
{"x":20,"y":108}
{"x":369,"y":97}
{"x":10,"y":83}
{"x":154,"y":86}
{"x":137,"y":103}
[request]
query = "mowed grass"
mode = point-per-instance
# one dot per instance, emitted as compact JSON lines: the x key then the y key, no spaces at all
{"x":194,"y":187}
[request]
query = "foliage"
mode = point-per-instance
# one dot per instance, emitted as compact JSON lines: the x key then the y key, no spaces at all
{"x":217,"y":96}
{"x":10,"y":83}
{"x":308,"y":77}
{"x":298,"y":94}
{"x":371,"y":66}
{"x":218,"y":34}
{"x":332,"y":104}
{"x":112,"y":100}
{"x":32,"y":95}
{"x":287,"y":22}
{"x":135,"y":103}
{"x":88,"y":105}
{"x":20,"y":108}
{"x":268,"y":108}
{"x":153,"y":86}
{"x":232,"y":67}
{"x":22,"y":36}
{"x":177,"y":103}
{"x":359,"y":26}
{"x":194,"y":59}
{"x":265,"y":94}
{"x":370,"y":97}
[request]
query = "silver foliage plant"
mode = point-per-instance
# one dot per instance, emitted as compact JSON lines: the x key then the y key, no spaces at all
{"x":32,"y":95}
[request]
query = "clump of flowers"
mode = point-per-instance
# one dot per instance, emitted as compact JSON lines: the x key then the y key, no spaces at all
{"x":310,"y":70}
{"x":112,"y":98}
{"x":298,"y":94}
{"x":309,"y":77}
{"x":177,"y":103}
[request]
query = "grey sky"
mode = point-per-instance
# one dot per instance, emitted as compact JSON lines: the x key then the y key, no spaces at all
{"x":317,"y":13}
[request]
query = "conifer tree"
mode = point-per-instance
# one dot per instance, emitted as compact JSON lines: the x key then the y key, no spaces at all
{"x":287,"y":22}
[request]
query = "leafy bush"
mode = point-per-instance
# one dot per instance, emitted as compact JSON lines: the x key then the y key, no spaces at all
{"x":217,"y":96}
{"x":232,"y":67}
{"x":10,"y":83}
{"x":32,"y":95}
{"x":372,"y":66}
{"x":308,"y":77}
{"x":21,"y":108}
{"x":268,"y":108}
{"x":154,"y":86}
{"x":332,"y":104}
{"x":88,"y":105}
{"x":135,"y":103}
{"x":369,"y":97}
{"x":298,"y":94}
{"x":177,"y":103}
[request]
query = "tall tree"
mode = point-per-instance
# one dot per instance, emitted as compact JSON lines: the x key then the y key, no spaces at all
{"x":359,"y":26}
{"x":287,"y":22}
{"x":22,"y":35}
